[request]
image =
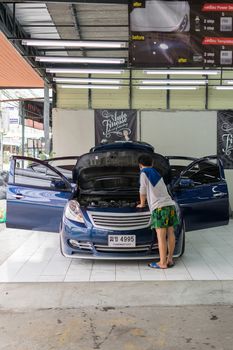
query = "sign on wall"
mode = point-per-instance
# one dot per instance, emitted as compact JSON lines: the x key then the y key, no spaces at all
{"x":115,"y":125}
{"x":225,"y":138}
{"x":181,"y":33}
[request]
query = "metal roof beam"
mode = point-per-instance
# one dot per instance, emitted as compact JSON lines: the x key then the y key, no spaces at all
{"x":77,"y":26}
{"x":124,"y":2}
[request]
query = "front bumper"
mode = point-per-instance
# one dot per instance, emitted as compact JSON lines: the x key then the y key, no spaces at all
{"x":115,"y":257}
{"x":85,"y":241}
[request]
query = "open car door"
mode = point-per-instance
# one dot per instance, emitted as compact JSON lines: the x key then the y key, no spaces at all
{"x":201,"y":191}
{"x":36,"y":195}
{"x":64,"y":165}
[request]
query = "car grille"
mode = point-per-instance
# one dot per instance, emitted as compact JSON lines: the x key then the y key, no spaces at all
{"x":138,"y":249}
{"x":120,"y":221}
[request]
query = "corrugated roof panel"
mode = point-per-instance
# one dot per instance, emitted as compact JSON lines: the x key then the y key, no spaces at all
{"x":14,"y":70}
{"x":35,"y":14}
{"x":62,"y":15}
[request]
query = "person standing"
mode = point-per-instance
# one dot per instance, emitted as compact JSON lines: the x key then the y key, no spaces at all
{"x":162,"y":208}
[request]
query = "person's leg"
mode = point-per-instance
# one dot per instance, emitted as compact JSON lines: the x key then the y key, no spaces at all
{"x":162,"y":243}
{"x":171,"y":241}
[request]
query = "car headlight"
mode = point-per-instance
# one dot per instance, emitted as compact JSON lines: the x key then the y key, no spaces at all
{"x":73,"y":212}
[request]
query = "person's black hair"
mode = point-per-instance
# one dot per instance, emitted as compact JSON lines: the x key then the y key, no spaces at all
{"x":145,"y":160}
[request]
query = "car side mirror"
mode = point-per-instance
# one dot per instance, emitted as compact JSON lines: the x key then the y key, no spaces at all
{"x":58,"y":184}
{"x":186,"y":183}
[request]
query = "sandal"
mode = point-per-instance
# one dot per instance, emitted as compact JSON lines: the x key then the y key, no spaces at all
{"x":154,"y":265}
{"x":170,"y":265}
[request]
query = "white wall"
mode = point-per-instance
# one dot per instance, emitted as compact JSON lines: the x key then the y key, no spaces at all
{"x":73,"y":132}
{"x":183,"y":133}
{"x":187,"y":133}
{"x":180,"y":133}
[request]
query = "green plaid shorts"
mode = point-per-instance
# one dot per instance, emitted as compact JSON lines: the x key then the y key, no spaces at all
{"x":164,"y":217}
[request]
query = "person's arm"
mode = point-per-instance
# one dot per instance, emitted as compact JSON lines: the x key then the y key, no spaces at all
{"x":142,"y":191}
{"x":142,"y":201}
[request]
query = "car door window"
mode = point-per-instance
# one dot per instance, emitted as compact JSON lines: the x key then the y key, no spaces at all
{"x":205,"y":172}
{"x":37,"y":175}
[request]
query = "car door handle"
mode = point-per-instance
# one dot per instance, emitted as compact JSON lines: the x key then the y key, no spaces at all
{"x":18,"y":196}
{"x":219,"y":194}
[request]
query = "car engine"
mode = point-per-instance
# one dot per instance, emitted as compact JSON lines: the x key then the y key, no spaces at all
{"x":100,"y":202}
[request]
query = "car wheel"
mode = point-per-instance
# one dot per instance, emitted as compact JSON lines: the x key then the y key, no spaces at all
{"x":183,"y":241}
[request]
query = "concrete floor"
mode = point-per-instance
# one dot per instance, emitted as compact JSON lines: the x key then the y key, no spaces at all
{"x":126,"y":307}
{"x":27,"y":256}
{"x":116,"y":315}
{"x":148,"y":328}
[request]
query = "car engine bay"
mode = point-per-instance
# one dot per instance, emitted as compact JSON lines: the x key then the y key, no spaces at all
{"x":107,"y":202}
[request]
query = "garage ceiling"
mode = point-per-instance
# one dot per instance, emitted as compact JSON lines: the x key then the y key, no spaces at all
{"x":94,"y":22}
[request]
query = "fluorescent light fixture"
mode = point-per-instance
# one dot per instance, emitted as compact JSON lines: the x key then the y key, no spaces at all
{"x":83,"y":71}
{"x":74,"y":43}
{"x":80,"y":60}
{"x":168,"y":87}
{"x":106,"y":87}
{"x":86,"y":80}
{"x":176,"y":82}
{"x":230,"y":82}
{"x":182,"y":72}
{"x":222,"y":87}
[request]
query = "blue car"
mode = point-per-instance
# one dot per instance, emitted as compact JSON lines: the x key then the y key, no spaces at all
{"x":91,"y":200}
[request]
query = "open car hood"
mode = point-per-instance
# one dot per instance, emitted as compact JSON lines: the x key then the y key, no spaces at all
{"x":115,"y":170}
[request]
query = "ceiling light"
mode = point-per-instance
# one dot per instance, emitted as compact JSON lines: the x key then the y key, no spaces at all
{"x":222,"y":87}
{"x":188,"y":72}
{"x":230,"y":82}
{"x":84,"y":71}
{"x":74,"y":43}
{"x":168,"y":87}
{"x":85,"y":80}
{"x":106,"y":87}
{"x":80,"y":60}
{"x":182,"y":82}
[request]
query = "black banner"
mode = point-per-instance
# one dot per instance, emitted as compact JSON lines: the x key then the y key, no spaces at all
{"x":115,"y":125}
{"x":225,"y":138}
{"x":181,"y":33}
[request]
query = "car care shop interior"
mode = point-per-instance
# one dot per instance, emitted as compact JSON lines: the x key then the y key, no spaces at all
{"x":116,"y":174}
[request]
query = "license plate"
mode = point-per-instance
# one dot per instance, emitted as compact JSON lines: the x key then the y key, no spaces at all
{"x":124,"y":241}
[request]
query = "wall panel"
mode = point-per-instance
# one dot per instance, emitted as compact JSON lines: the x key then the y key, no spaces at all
{"x":73,"y":132}
{"x":72,"y":98}
{"x":180,"y":133}
{"x":117,"y":99}
{"x":187,"y":99}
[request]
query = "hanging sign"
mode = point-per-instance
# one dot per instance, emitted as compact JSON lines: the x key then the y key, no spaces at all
{"x":225,"y":138}
{"x":181,"y":33}
{"x":115,"y":125}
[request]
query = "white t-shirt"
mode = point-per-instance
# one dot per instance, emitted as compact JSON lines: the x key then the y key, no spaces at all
{"x":153,"y":186}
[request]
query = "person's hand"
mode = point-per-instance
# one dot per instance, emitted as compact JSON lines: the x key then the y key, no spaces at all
{"x":140,"y":206}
